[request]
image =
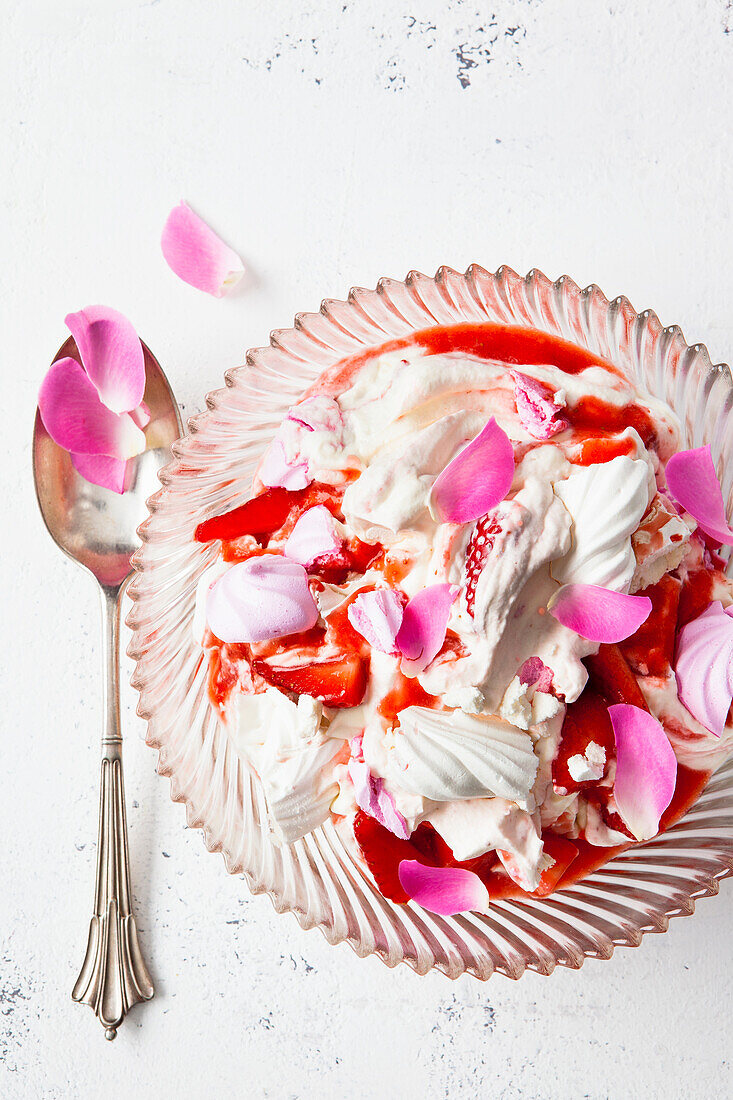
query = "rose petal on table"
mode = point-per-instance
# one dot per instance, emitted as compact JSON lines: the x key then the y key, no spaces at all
{"x":276,"y":471}
{"x":476,"y":480}
{"x":314,"y":536}
{"x":261,"y":598}
{"x":101,"y":470}
{"x":76,"y":419}
{"x":443,"y":890}
{"x":693,"y":483}
{"x":375,"y":800}
{"x":646,"y":769}
{"x":597,"y":613}
{"x":111,"y":354}
{"x":198,"y":255}
{"x":537,"y":407}
{"x":704,"y":666}
{"x":377,"y":616}
{"x":424,"y":623}
{"x":535,"y":673}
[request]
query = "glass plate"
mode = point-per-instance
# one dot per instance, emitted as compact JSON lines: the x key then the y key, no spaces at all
{"x":317,"y":878}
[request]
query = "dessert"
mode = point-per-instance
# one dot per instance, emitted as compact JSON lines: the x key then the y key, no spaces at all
{"x":467,"y":615}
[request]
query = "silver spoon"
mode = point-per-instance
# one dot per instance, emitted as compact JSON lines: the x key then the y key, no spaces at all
{"x":97,"y":529}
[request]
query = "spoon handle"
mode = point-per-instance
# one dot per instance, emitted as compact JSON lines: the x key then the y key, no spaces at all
{"x":113,"y":977}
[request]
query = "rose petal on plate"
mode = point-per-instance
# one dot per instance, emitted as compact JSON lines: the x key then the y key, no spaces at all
{"x":374,"y":799}
{"x":424,"y":623}
{"x":101,"y":470}
{"x":261,"y":598}
{"x":646,"y":769}
{"x":537,"y":407}
{"x":693,"y":483}
{"x":476,"y":480}
{"x":276,"y":472}
{"x":198,"y":255}
{"x":704,"y":666}
{"x":314,"y":536}
{"x":76,"y":419}
{"x":597,"y":613}
{"x":443,"y":890}
{"x":111,"y":354}
{"x":319,"y":414}
{"x":378,"y":617}
{"x":535,"y":673}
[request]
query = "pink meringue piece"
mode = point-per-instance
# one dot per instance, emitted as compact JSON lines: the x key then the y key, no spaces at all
{"x":424,"y":623}
{"x":198,"y":255}
{"x":276,"y":471}
{"x":378,"y":617}
{"x":76,"y":419}
{"x":111,"y":354}
{"x":693,"y":483}
{"x":537,"y":407}
{"x":535,"y":673}
{"x":101,"y":470}
{"x":375,"y":800}
{"x":261,"y":598}
{"x":318,"y":414}
{"x":476,"y":480}
{"x":646,"y":769}
{"x":443,"y":890}
{"x":599,"y":614}
{"x":314,"y":536}
{"x":704,"y":666}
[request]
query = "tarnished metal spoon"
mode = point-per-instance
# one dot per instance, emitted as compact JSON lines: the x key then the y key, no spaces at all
{"x":97,"y":529}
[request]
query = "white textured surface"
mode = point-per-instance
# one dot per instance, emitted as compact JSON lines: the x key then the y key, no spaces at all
{"x":331,"y":142}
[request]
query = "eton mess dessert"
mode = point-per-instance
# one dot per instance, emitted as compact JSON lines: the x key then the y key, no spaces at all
{"x":475,"y":615}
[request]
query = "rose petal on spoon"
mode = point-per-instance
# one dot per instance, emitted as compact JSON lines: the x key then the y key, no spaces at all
{"x":76,"y":419}
{"x":424,"y":624}
{"x":198,"y":255}
{"x":314,"y":536}
{"x":101,"y":470}
{"x":597,"y":613}
{"x":261,"y":598}
{"x":375,"y":800}
{"x":704,"y":666}
{"x":476,"y":480}
{"x":693,"y":483}
{"x":537,"y":407}
{"x":646,"y":769}
{"x":276,"y":472}
{"x":111,"y":354}
{"x":378,"y":617}
{"x":443,"y":890}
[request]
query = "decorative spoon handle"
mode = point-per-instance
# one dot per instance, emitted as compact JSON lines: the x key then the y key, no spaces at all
{"x":113,"y":977}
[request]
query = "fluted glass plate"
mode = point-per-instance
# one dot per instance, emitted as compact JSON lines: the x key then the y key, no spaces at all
{"x":317,"y":878}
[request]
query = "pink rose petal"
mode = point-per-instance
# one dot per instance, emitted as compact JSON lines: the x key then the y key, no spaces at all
{"x":646,"y":769}
{"x":476,"y":480}
{"x":378,"y":617}
{"x":374,"y":799}
{"x":276,"y":471}
{"x":111,"y":354}
{"x":443,"y":890}
{"x":693,"y":483}
{"x":535,"y":673}
{"x":704,"y":666}
{"x":76,"y":419}
{"x":197,"y":254}
{"x":101,"y":470}
{"x":599,"y":614}
{"x":314,"y":536}
{"x":537,"y":407}
{"x":261,"y":598}
{"x":424,"y":623}
{"x":318,"y":414}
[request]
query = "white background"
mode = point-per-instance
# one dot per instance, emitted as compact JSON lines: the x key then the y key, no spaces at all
{"x":331,"y":143}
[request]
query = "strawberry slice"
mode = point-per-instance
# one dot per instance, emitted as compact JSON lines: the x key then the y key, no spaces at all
{"x":354,"y":556}
{"x":272,"y":510}
{"x":649,"y":652}
{"x":563,"y":851}
{"x":612,"y":678}
{"x":384,"y":852}
{"x":477,"y":551}
{"x":586,"y":720}
{"x":340,"y":682}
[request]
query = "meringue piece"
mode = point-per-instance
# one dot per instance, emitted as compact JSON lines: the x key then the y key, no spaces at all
{"x":377,"y":616}
{"x":423,"y":627}
{"x":704,"y":666}
{"x":606,"y":502}
{"x":198,"y":255}
{"x":208,"y":578}
{"x":646,"y":769}
{"x":482,"y":825}
{"x":261,"y":598}
{"x":318,"y":414}
{"x":588,"y":766}
{"x":111,"y":354}
{"x":659,"y":543}
{"x":525,"y":706}
{"x":451,"y":755}
{"x":314,"y":536}
{"x":443,"y":890}
{"x":694,"y":484}
{"x":276,"y":472}
{"x":476,"y":480}
{"x":599,"y":614}
{"x":538,"y":407}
